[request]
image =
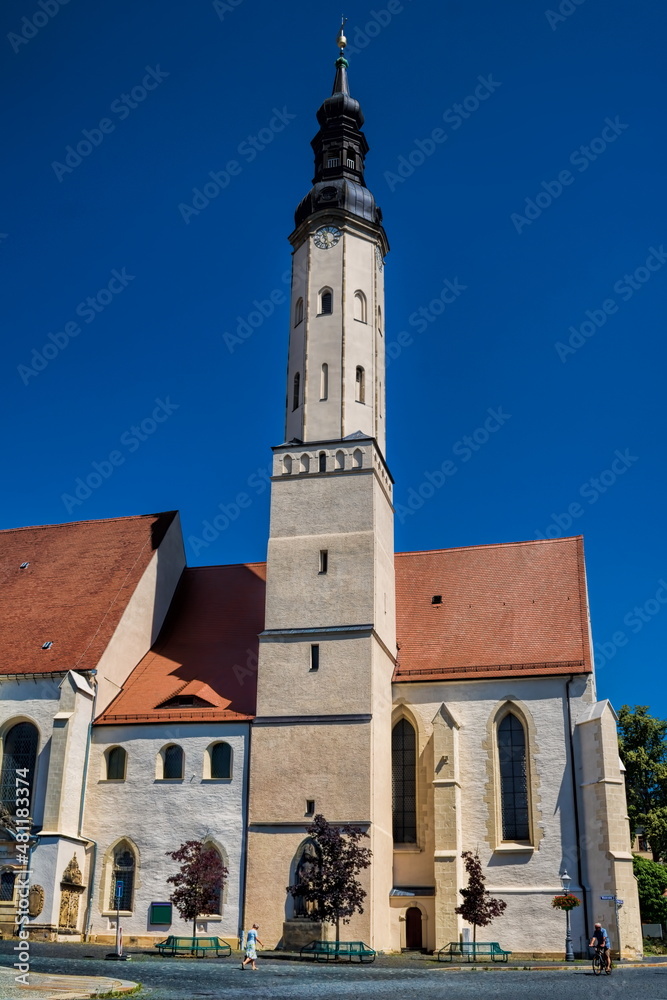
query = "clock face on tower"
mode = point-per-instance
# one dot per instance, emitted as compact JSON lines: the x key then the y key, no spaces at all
{"x":326,"y":237}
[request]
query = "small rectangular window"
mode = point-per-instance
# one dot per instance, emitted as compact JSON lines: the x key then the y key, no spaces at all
{"x":332,"y":161}
{"x":314,"y":657}
{"x":324,"y":560}
{"x":310,"y":807}
{"x":436,"y":599}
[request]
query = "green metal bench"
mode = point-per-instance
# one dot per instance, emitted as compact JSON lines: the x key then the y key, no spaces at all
{"x":327,"y":951}
{"x":473,"y":950}
{"x":193,"y":946}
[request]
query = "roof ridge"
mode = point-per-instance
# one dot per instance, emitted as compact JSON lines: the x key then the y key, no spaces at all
{"x":92,"y":520}
{"x":491,"y":545}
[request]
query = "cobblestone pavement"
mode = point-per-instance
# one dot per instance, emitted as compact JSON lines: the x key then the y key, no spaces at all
{"x":387,"y":979}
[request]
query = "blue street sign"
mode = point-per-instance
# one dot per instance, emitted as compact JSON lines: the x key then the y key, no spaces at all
{"x":119,"y":890}
{"x":607,"y":897}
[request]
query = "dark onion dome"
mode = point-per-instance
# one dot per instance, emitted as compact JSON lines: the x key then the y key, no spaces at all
{"x":340,"y":149}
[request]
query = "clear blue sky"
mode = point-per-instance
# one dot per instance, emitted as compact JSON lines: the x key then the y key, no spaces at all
{"x":210,"y":77}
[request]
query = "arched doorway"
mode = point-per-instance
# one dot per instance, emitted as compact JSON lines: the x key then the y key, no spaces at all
{"x":413,"y":929}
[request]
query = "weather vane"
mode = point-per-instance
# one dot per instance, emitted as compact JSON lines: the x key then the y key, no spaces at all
{"x":341,"y":41}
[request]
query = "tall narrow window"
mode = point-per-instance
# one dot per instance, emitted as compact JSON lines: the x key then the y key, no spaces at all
{"x":123,"y":870}
{"x":116,"y":764}
{"x":513,"y":779}
{"x":379,"y":320}
{"x":324,"y":382}
{"x":173,"y":762}
{"x":298,"y":312}
{"x":19,"y":755}
{"x":340,"y":459}
{"x":221,"y":760}
{"x":357,"y":458}
{"x":322,"y":465}
{"x":287,"y":465}
{"x":324,"y":560}
{"x":315,"y":657}
{"x":360,"y":385}
{"x":360,"y":307}
{"x":380,"y":400}
{"x":305,"y":463}
{"x":404,"y":782}
{"x":326,"y":302}
{"x":217,"y":901}
{"x":296,"y":391}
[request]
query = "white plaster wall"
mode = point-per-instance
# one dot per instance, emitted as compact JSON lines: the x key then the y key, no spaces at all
{"x":159,"y":816}
{"x":143,"y":617}
{"x":526,"y":880}
{"x":32,"y":699}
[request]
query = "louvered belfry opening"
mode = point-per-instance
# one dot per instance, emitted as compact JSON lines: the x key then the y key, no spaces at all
{"x":404,"y":782}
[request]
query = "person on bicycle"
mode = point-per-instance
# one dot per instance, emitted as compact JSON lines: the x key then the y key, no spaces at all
{"x":600,"y":940}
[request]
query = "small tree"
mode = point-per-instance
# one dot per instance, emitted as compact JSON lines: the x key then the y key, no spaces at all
{"x":479,"y":907}
{"x":199,"y":883}
{"x":642,"y":742}
{"x":332,"y":887}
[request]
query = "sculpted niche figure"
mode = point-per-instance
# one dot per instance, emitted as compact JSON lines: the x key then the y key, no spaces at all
{"x":308,"y":862}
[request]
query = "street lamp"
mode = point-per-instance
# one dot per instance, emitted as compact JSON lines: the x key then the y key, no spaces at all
{"x":565,"y":881}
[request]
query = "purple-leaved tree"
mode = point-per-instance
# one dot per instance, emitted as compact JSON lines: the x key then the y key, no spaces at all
{"x":199,"y":883}
{"x":332,"y":889}
{"x":479,"y":907}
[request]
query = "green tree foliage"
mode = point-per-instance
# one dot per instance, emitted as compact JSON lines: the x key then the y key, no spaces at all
{"x":332,"y":889}
{"x":652,"y":884}
{"x":643,"y":747}
{"x":479,"y":907}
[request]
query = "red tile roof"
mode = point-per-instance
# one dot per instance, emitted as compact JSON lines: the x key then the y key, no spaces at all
{"x":507,"y":610}
{"x":77,"y":585}
{"x":207,"y":649}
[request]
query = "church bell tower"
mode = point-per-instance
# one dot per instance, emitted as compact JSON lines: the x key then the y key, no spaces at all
{"x":321,"y":741}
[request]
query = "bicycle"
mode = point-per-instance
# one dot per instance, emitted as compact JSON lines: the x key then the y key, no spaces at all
{"x":600,"y":963}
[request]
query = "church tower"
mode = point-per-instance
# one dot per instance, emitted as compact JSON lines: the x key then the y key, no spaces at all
{"x":321,"y":741}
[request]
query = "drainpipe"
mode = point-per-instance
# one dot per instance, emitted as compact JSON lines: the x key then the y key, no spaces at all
{"x":575,"y":797}
{"x":84,"y":781}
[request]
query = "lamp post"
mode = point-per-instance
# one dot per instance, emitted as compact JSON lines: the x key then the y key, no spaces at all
{"x":569,"y":954}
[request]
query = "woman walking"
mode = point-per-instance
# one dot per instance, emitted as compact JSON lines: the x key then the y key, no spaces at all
{"x":251,"y":942}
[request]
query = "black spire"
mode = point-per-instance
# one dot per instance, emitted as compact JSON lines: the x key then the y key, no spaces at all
{"x":340,"y":149}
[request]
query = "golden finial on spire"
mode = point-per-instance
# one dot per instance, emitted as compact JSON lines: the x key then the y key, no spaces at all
{"x":341,"y":41}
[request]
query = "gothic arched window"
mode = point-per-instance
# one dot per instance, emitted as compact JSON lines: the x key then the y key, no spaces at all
{"x":124,"y":866}
{"x":173,"y":762}
{"x":216,"y":907}
{"x":360,"y":313}
{"x":296,"y":391}
{"x":298,"y":312}
{"x":116,"y":764}
{"x":326,"y":302}
{"x":19,"y":756}
{"x":287,"y":465}
{"x":360,"y":385}
{"x":324,"y":382}
{"x":404,"y":782}
{"x":511,"y":739}
{"x":221,"y":760}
